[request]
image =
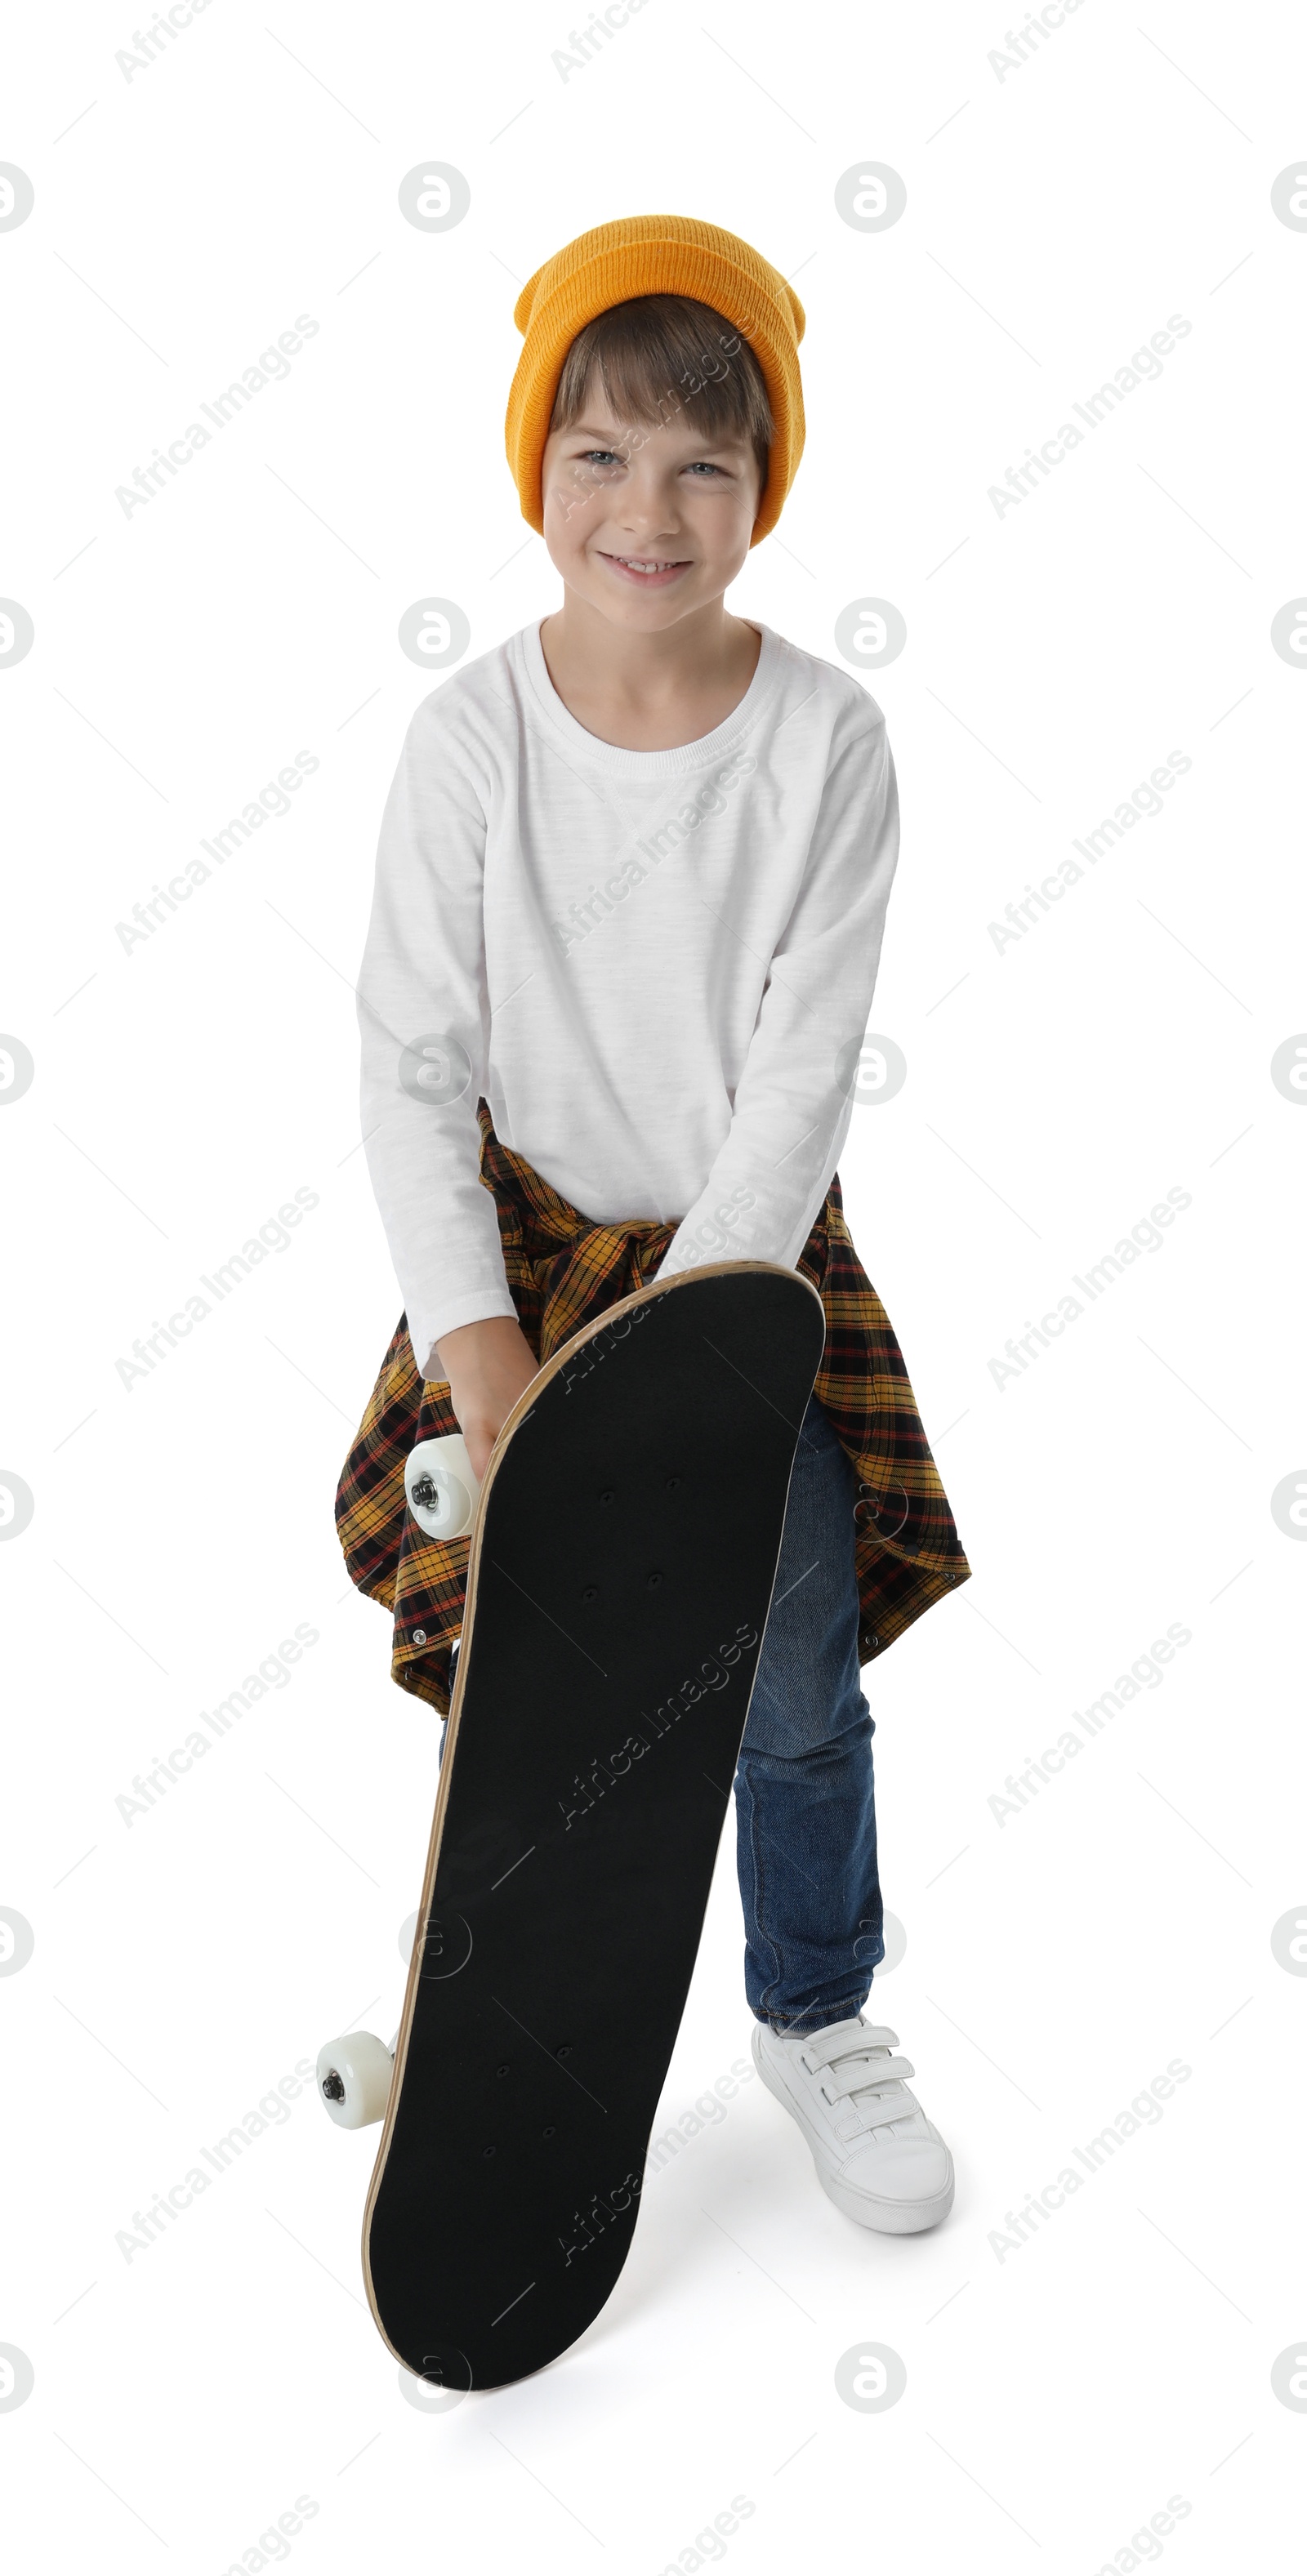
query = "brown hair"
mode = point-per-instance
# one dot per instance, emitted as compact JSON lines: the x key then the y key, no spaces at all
{"x":658,"y":355}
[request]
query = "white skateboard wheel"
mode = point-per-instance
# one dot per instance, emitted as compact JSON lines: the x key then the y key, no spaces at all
{"x":354,"y":2079}
{"x":440,"y":1487}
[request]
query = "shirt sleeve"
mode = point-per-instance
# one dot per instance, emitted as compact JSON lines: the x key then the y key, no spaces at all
{"x":424,"y":1020}
{"x":794,"y":1098}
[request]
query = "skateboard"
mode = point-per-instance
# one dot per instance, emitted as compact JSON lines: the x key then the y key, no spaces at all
{"x":624,"y":1549}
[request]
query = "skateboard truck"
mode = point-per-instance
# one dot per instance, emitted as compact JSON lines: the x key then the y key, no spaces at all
{"x":440,"y":1487}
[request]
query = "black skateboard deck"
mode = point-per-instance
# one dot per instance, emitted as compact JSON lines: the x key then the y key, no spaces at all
{"x":621,"y":1571}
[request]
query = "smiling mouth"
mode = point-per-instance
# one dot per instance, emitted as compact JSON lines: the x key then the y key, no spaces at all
{"x":649,"y":565}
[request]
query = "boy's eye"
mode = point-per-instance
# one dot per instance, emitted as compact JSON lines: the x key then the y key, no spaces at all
{"x":703,"y":466}
{"x":600,"y":456}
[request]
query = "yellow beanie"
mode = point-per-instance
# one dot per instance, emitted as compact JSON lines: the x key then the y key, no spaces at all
{"x":654,"y":255}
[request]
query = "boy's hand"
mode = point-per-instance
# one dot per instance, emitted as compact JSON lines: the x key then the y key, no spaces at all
{"x":487,"y":1365}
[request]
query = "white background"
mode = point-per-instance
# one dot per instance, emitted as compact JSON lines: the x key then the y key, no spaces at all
{"x":1056,"y":1962}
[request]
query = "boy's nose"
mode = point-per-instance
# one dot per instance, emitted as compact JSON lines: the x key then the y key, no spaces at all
{"x":647,"y":521}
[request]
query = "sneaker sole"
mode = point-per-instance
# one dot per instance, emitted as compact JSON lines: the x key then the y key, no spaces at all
{"x":887,"y":2217}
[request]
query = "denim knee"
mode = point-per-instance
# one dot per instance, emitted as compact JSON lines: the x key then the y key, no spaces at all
{"x":829,"y":1746}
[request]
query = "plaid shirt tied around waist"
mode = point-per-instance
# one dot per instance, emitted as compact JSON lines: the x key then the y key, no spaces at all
{"x":563,"y":1271}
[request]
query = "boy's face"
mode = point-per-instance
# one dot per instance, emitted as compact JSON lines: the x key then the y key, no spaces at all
{"x":646,"y":523}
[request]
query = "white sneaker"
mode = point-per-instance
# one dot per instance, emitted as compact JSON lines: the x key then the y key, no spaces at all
{"x":877,"y":2155}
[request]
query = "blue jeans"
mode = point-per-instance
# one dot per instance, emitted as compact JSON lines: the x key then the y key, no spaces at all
{"x":805,"y":1807}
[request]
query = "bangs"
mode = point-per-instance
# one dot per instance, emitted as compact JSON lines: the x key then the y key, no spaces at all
{"x":660,"y":357}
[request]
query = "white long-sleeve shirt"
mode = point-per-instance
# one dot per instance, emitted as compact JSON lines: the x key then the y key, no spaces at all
{"x":655,"y":966}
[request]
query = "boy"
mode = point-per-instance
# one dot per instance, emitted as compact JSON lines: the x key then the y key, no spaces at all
{"x":630,"y":893}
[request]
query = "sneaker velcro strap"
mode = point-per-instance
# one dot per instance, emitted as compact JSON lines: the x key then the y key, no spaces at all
{"x":845,"y":2079}
{"x":840,"y":2039}
{"x":877,"y":2111}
